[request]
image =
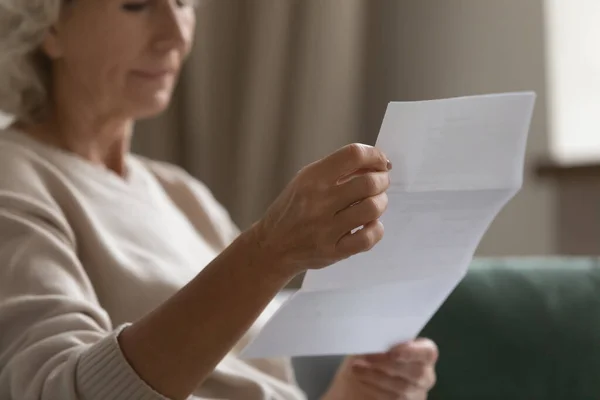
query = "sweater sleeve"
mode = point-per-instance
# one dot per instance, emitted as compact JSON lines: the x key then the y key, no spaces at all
{"x":56,"y":341}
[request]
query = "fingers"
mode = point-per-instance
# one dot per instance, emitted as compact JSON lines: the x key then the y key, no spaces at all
{"x":361,"y":241}
{"x":389,"y":387}
{"x":351,"y":158}
{"x":360,"y":187}
{"x":360,"y":214}
{"x":414,"y":361}
{"x":418,"y":374}
{"x":420,"y":350}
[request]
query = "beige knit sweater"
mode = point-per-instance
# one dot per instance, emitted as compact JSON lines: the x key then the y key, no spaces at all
{"x":83,"y":253}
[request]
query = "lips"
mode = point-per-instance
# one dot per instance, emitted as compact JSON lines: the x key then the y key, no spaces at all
{"x":155,"y":74}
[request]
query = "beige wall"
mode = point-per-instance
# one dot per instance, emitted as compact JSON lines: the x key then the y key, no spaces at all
{"x":465,"y":47}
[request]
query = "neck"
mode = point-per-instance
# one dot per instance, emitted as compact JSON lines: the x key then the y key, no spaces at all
{"x":74,"y":126}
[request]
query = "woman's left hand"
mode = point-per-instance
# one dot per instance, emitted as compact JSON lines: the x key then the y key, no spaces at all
{"x":406,"y":372}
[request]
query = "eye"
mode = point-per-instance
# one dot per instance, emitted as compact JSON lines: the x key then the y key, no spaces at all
{"x":141,"y":6}
{"x":187,"y":3}
{"x":135,"y":7}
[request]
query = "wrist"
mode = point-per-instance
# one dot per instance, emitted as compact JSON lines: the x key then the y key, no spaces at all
{"x":264,"y":258}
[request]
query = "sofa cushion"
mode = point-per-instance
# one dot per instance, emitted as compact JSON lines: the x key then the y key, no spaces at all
{"x":520,"y":329}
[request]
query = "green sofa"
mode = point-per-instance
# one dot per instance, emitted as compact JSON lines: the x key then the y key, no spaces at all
{"x":514,"y":329}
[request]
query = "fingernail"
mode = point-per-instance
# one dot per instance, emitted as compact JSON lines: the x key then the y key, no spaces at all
{"x":389,"y":165}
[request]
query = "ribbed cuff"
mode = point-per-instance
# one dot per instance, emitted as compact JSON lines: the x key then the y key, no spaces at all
{"x":104,"y":373}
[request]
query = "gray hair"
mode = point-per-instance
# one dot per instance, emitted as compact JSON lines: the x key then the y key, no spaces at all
{"x":24,"y":69}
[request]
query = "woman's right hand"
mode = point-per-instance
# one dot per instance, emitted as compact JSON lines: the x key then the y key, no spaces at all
{"x":309,"y":226}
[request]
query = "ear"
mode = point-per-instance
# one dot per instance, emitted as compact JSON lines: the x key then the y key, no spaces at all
{"x":51,"y":44}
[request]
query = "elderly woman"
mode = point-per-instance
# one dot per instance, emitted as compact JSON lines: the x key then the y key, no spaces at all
{"x":123,"y":278}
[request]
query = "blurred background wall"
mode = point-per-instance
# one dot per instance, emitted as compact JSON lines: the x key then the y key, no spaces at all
{"x":275,"y":84}
{"x":472,"y":47}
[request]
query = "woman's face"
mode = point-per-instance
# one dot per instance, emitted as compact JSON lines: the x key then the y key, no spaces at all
{"x":121,"y":56}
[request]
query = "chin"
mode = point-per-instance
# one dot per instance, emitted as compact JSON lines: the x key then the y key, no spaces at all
{"x":150,"y":106}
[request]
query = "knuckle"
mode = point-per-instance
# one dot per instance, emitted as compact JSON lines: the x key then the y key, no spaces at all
{"x":370,"y":184}
{"x":379,"y":232}
{"x":304,"y":171}
{"x":370,"y":240}
{"x":427,"y":381}
{"x":376,"y":206}
{"x":364,"y":242}
{"x":432,"y":379}
{"x":383,"y":202}
{"x":435,"y":353}
{"x":372,"y":208}
{"x":432,"y":351}
{"x":355,"y":151}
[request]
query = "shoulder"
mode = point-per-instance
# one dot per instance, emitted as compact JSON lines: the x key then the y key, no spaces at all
{"x":23,"y":170}
{"x":29,"y":184}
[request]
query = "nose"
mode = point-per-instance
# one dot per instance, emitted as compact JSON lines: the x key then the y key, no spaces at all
{"x":174,"y":28}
